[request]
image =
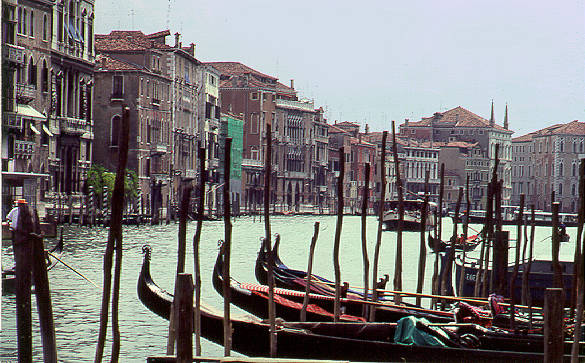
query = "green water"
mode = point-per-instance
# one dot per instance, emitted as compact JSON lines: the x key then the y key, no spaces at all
{"x":76,"y":303}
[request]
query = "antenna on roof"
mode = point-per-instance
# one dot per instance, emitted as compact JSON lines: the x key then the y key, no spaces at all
{"x":169,"y":15}
{"x":132,"y":17}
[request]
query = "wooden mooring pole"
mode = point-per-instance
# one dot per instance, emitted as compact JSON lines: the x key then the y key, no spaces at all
{"x":516,"y":263}
{"x":267,"y":176}
{"x":114,"y":244}
{"x":309,"y":272}
{"x":500,"y":265}
{"x":465,"y":231}
{"x":196,"y":243}
{"x":22,"y":258}
{"x":227,"y":323}
{"x":365,"y":260}
{"x":422,"y":257}
{"x":435,"y":279}
{"x":380,"y":225}
{"x":183,"y":302}
{"x":398,"y":261}
{"x":577,"y":294}
{"x":558,"y":275}
{"x":43,"y":294}
{"x":340,"y":203}
{"x":553,"y":326}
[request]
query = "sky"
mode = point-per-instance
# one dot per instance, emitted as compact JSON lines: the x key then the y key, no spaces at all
{"x":376,"y":61}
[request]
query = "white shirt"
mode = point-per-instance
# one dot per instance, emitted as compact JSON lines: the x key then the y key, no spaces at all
{"x":13,"y":218}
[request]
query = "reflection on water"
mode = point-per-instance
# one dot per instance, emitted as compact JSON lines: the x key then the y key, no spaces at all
{"x":76,"y":303}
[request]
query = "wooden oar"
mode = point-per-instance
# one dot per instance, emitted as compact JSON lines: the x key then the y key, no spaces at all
{"x":72,"y":269}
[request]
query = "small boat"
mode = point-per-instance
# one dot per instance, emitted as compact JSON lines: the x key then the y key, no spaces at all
{"x":323,"y":340}
{"x":540,"y":278}
{"x":470,"y":243}
{"x":9,"y":278}
{"x":322,"y":293}
{"x":510,"y":217}
{"x":412,"y":219}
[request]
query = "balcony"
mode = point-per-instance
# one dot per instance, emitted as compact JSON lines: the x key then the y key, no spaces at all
{"x":117,"y":96}
{"x":157,"y":148}
{"x":25,"y":92}
{"x":14,"y":53}
{"x":155,"y":102}
{"x":11,"y":121}
{"x":73,"y":126}
{"x":296,"y":105}
{"x":190,"y":174}
{"x":24,"y":149}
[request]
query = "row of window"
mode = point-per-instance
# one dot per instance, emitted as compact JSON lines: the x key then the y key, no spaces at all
{"x":518,"y":188}
{"x":26,"y":23}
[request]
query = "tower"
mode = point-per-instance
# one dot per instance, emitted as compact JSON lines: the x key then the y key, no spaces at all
{"x":506,"y":118}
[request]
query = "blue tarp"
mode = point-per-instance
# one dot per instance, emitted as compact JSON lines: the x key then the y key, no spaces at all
{"x":408,"y":333}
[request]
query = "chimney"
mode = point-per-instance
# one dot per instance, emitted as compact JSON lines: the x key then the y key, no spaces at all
{"x":152,"y":43}
{"x":192,"y":49}
{"x":406,"y":122}
{"x":177,"y":37}
{"x":292,"y":83}
{"x":367,"y":129}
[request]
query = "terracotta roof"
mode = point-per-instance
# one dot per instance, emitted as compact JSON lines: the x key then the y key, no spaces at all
{"x":237,"y":68}
{"x":570,"y":128}
{"x":162,"y":33}
{"x":126,"y":40}
{"x":347,"y":123}
{"x":336,"y":130}
{"x":108,"y":63}
{"x":458,"y":117}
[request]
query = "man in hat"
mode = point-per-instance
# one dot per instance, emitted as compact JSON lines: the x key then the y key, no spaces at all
{"x":13,"y":214}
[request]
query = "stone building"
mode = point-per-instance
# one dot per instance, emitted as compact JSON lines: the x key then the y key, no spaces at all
{"x":209,"y":129}
{"x":182,"y":68}
{"x":47,"y":81}
{"x":547,"y":162}
{"x":71,"y":83}
{"x":132,"y":71}
{"x":459,"y":124}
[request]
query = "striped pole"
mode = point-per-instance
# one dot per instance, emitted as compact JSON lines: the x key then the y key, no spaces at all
{"x":91,"y":206}
{"x":105,"y":204}
{"x":139,"y":201}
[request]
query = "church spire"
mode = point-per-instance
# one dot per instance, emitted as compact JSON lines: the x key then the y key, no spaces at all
{"x":506,"y":118}
{"x":492,"y":120}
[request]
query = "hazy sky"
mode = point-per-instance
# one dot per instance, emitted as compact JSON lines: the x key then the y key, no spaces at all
{"x":377,"y":61}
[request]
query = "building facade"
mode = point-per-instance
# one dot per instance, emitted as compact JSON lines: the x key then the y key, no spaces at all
{"x":547,"y":163}
{"x":132,"y":72}
{"x":232,"y":126}
{"x":461,"y":125}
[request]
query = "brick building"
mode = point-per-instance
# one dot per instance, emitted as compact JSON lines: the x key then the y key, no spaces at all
{"x":131,"y":70}
{"x":459,"y":124}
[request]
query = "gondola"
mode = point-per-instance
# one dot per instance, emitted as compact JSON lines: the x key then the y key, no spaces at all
{"x":9,"y":278}
{"x":321,"y":288}
{"x":541,"y":276}
{"x":253,"y":298}
{"x":317,"y":340}
{"x":470,"y":243}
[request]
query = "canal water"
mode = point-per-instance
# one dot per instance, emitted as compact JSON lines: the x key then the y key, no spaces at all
{"x":76,"y":303}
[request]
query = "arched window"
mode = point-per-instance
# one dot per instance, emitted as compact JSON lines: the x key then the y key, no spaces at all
{"x":562,"y":146}
{"x":45,"y":28}
{"x":45,"y":77}
{"x":114,"y":130}
{"x":560,"y":189}
{"x":20,"y":20}
{"x":561,"y":169}
{"x":32,"y":24}
{"x":573,"y":189}
{"x":32,"y":73}
{"x":574,"y":169}
{"x":24,"y":15}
